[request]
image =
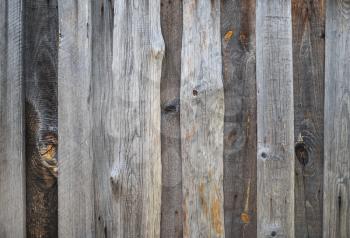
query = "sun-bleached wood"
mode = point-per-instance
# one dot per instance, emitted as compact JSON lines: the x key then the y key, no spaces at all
{"x":75,"y":180}
{"x":202,"y":120}
{"x":12,"y":165}
{"x":275,"y":136}
{"x":126,"y":117}
{"x":336,"y":196}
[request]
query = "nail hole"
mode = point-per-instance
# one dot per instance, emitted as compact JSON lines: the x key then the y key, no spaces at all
{"x":264,"y":155}
{"x":273,"y":233}
{"x":195,"y":92}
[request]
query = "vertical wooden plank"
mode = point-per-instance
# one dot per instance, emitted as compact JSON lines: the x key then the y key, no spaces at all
{"x":126,"y":117}
{"x":40,"y":77}
{"x":12,"y":167}
{"x":75,"y":182}
{"x":171,"y":20}
{"x":238,"y":50}
{"x":275,"y":114}
{"x":308,"y":61}
{"x":202,"y":120}
{"x":336,"y":219}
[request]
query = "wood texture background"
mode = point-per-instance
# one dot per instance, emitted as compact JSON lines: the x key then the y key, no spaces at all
{"x":181,"y":118}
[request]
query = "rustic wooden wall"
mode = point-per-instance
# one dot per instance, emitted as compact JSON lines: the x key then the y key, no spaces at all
{"x":183,"y":118}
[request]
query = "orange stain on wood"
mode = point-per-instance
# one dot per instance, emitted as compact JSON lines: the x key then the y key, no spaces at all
{"x":202,"y":199}
{"x":228,"y":36}
{"x":216,"y":216}
{"x":245,"y":218}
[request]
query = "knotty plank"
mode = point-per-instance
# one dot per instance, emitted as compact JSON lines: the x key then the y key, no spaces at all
{"x":238,"y":50}
{"x":75,"y":182}
{"x":202,"y":120}
{"x":12,"y":166}
{"x":336,"y":204}
{"x":40,"y":77}
{"x":275,"y":125}
{"x":127,"y":61}
{"x":171,"y":213}
{"x":308,"y":63}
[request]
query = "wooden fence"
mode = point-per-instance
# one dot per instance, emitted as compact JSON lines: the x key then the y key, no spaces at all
{"x":174,"y":118}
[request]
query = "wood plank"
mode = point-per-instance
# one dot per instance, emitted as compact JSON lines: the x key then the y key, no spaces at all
{"x":275,"y":114}
{"x":40,"y":77}
{"x":171,"y":21}
{"x":308,"y":63}
{"x":75,"y":182}
{"x":12,"y":166}
{"x":202,"y":120}
{"x":126,"y":66}
{"x":336,"y":205}
{"x":238,"y":50}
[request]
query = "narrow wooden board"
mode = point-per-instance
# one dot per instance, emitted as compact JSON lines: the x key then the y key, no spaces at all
{"x":202,"y":120}
{"x":336,"y":204}
{"x":126,"y":64}
{"x":308,"y":63}
{"x":238,"y":50}
{"x":40,"y":77}
{"x":275,"y":124}
{"x":12,"y":166}
{"x":75,"y":181}
{"x":171,"y":21}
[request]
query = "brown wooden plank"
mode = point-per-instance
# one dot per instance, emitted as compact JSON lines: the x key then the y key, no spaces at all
{"x":238,"y":50}
{"x":171,"y":20}
{"x":308,"y":61}
{"x":202,"y":120}
{"x":75,"y":181}
{"x":125,"y":97}
{"x":336,"y":203}
{"x":275,"y":119}
{"x":40,"y":75}
{"x":12,"y":165}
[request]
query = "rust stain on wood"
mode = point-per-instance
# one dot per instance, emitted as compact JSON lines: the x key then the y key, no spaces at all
{"x":228,"y":36}
{"x":203,"y":201}
{"x":216,"y":216}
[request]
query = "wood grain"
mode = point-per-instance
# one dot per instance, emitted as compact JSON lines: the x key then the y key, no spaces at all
{"x":75,"y":182}
{"x":12,"y":165}
{"x":275,"y":114}
{"x":202,"y":120}
{"x":127,"y":60}
{"x":171,"y":21}
{"x":238,"y":50}
{"x":40,"y":75}
{"x":308,"y":61}
{"x":336,"y":204}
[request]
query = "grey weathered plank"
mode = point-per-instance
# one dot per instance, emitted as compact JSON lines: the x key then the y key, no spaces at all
{"x":308,"y":61}
{"x":275,"y":165}
{"x":75,"y":182}
{"x":40,"y":77}
{"x":126,"y":66}
{"x":202,"y":120}
{"x":336,"y":204}
{"x":171,"y":21}
{"x":12,"y":166}
{"x":238,"y":50}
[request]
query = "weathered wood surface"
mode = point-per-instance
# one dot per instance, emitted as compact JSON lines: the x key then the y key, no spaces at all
{"x":202,"y":120}
{"x":238,"y":50}
{"x":308,"y":61}
{"x":126,"y":122}
{"x":12,"y":166}
{"x":40,"y":77}
{"x":171,"y":214}
{"x":275,"y":125}
{"x":336,"y":204}
{"x":75,"y":182}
